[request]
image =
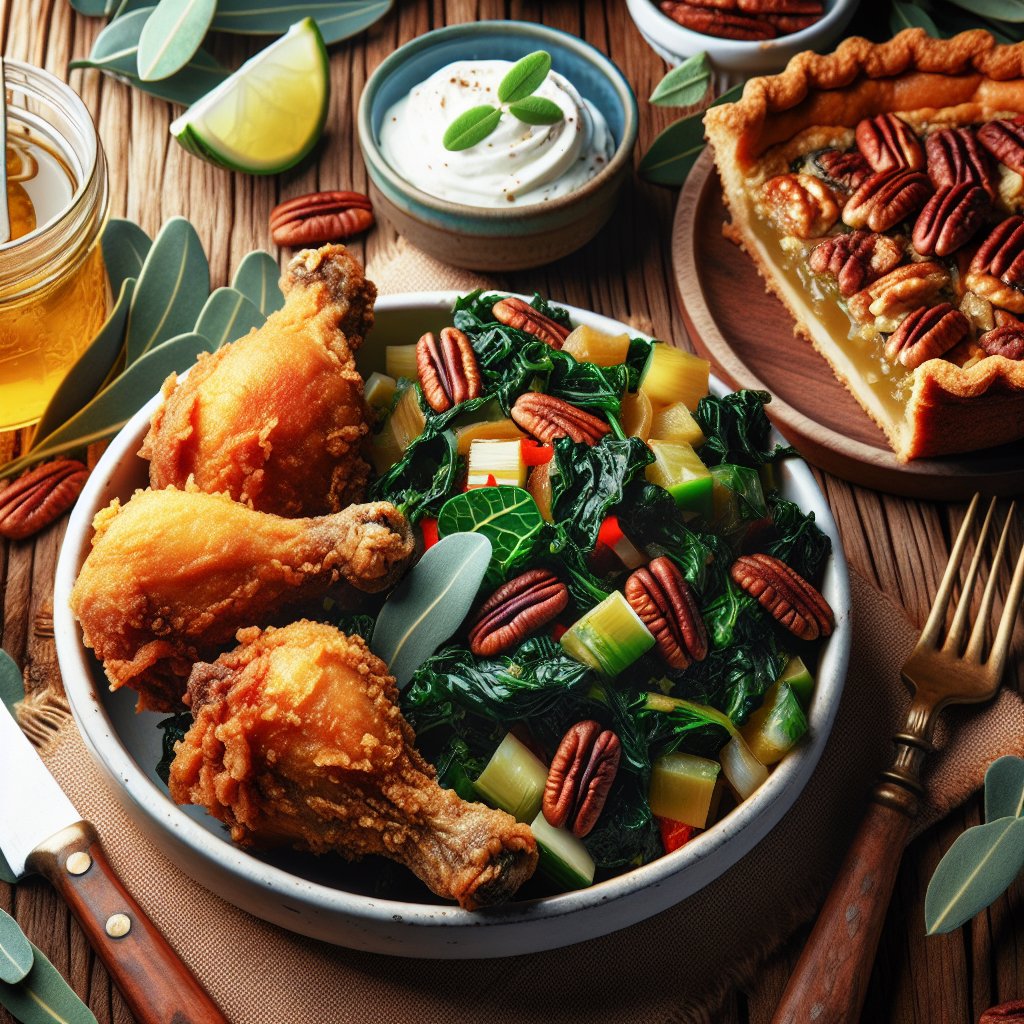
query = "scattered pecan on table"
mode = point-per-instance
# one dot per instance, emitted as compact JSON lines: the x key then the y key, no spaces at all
{"x":320,"y":217}
{"x":516,"y":610}
{"x":784,"y":594}
{"x":447,"y":369}
{"x":581,"y":774}
{"x":39,"y":496}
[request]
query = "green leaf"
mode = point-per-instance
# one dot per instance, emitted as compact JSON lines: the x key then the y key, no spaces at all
{"x":524,"y":77}
{"x":675,"y":150}
{"x":906,"y":14}
{"x":536,"y":110}
{"x":426,"y":608}
{"x":171,"y":36}
{"x":336,"y":19}
{"x":471,"y":127}
{"x":15,"y":950}
{"x":44,"y":997}
{"x":997,"y":10}
{"x":125,"y":248}
{"x":93,"y":8}
{"x":685,"y":85}
{"x":258,"y":279}
{"x":976,"y":869}
{"x":1004,"y":789}
{"x":171,"y":290}
{"x":227,"y":316}
{"x":91,"y":368}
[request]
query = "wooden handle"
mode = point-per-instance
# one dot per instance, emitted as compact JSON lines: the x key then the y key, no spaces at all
{"x":157,"y":986}
{"x":831,"y":977}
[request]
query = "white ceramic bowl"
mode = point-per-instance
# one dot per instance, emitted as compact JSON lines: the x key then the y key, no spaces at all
{"x":331,"y":900}
{"x":734,"y":60}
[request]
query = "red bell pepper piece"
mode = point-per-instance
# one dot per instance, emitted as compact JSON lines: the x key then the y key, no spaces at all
{"x":674,"y":834}
{"x":610,"y":532}
{"x":429,"y":528}
{"x":535,"y":453}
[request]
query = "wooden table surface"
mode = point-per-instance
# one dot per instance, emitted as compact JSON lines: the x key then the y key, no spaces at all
{"x":899,"y":544}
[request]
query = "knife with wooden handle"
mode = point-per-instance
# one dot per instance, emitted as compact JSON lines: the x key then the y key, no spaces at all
{"x":40,"y":830}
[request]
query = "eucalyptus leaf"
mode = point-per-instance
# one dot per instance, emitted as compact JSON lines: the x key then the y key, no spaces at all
{"x":536,"y":110}
{"x":15,"y":950}
{"x":171,"y":36}
{"x":979,"y":866}
{"x":1004,"y":789}
{"x":906,"y":14}
{"x":125,"y":248}
{"x":997,"y":10}
{"x":227,"y":316}
{"x":258,"y":279}
{"x":524,"y":77}
{"x":685,"y":85}
{"x":44,"y":997}
{"x":171,"y":290}
{"x":471,"y":127}
{"x":336,"y":19}
{"x":426,"y":608}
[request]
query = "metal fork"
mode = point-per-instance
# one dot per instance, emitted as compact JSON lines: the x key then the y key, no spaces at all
{"x":831,"y":977}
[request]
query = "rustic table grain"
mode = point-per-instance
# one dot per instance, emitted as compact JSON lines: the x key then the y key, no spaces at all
{"x":898,"y":544}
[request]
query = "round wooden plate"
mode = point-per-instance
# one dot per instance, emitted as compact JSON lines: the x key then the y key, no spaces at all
{"x":748,"y":336}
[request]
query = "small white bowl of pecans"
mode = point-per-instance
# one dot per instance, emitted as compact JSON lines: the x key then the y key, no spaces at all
{"x":742,"y":38}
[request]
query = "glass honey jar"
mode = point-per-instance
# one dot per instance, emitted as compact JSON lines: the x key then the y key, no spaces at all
{"x":54,"y":293}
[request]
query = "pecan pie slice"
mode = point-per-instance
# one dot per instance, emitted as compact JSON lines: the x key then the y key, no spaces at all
{"x":880,"y":191}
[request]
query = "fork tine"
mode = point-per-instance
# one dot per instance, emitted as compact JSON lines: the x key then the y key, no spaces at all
{"x":977,"y":641}
{"x":937,"y":617}
{"x":957,"y":628}
{"x":1001,"y":644}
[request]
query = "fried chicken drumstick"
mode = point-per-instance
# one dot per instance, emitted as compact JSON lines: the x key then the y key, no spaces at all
{"x":298,"y":742}
{"x":172,"y":575}
{"x":276,"y":419}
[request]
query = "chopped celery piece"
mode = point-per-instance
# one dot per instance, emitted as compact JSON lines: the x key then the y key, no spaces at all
{"x":662,"y":702}
{"x":678,"y":469}
{"x":674,"y":375}
{"x":400,"y":361}
{"x":563,"y":858}
{"x":405,"y":423}
{"x":592,"y":346}
{"x":682,"y":786}
{"x":513,"y":780}
{"x":742,"y":770}
{"x":737,"y":498}
{"x":675,"y":423}
{"x":773,"y":729}
{"x":800,"y":680}
{"x":610,"y":637}
{"x":502,"y":460}
{"x":379,"y":393}
{"x":636,"y":414}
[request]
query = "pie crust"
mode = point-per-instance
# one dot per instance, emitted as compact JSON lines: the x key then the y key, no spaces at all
{"x":821,"y":98}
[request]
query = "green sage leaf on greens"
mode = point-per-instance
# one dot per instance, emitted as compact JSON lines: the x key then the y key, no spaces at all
{"x":172,"y":34}
{"x":997,"y":10}
{"x":125,"y":248}
{"x":524,"y":77}
{"x":1004,"y":789}
{"x":471,"y":127}
{"x":44,"y":997}
{"x":426,"y":608}
{"x":684,"y":86}
{"x":258,"y":279}
{"x":906,"y":14}
{"x":90,"y":370}
{"x":227,"y":316}
{"x":15,"y":950}
{"x":336,"y":19}
{"x":975,"y":870}
{"x":171,"y":290}
{"x":536,"y":110}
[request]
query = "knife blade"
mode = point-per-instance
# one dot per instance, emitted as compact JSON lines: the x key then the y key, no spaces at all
{"x":40,"y":830}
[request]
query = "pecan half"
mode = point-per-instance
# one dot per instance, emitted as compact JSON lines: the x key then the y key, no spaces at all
{"x":799,"y":204}
{"x":448,"y":370}
{"x":660,"y":595}
{"x":1006,"y":340}
{"x":515,"y":610}
{"x":807,"y":7}
{"x":855,"y":259}
{"x":997,"y":271}
{"x":785,"y":594}
{"x":950,"y":218}
{"x":1005,"y":141}
{"x":581,"y":774}
{"x":320,"y":217}
{"x":522,"y":316}
{"x":926,"y":333}
{"x":905,"y":288}
{"x":547,"y":417}
{"x":954,"y":157}
{"x":786,"y":24}
{"x":889,"y":143}
{"x":886,"y":198}
{"x":722,"y":24}
{"x":847,"y":171}
{"x":39,"y":496}
{"x":1005,"y":1013}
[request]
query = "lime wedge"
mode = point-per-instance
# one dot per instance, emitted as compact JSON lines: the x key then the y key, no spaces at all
{"x":269,"y":114}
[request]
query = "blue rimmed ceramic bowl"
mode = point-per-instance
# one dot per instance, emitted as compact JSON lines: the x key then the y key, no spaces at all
{"x":475,"y":237}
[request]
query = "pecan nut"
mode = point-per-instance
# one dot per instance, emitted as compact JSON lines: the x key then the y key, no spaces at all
{"x":950,"y":219}
{"x":799,"y":204}
{"x":448,"y":370}
{"x":1005,"y":141}
{"x":719,"y":23}
{"x":926,"y":333}
{"x":785,"y":24}
{"x":801,"y":7}
{"x":847,"y":171}
{"x":517,"y":609}
{"x":855,"y":259}
{"x":581,"y":774}
{"x":39,"y":496}
{"x":1005,"y":1013}
{"x":1006,"y":340}
{"x":660,"y":595}
{"x":320,"y":217}
{"x":997,"y":271}
{"x":888,"y":143}
{"x":905,"y":288}
{"x":785,"y":594}
{"x":954,"y":157}
{"x":513,"y":312}
{"x":886,"y":198}
{"x":546,"y":418}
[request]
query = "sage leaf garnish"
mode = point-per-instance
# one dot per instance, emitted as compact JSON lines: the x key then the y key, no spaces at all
{"x":536,"y":110}
{"x":1004,"y":789}
{"x":524,"y":77}
{"x":227,"y":316}
{"x":15,"y":950}
{"x":93,"y":8}
{"x":257,"y":278}
{"x":471,"y":127}
{"x":125,"y":248}
{"x":908,"y":15}
{"x":337,"y":19}
{"x":685,"y":85}
{"x":44,"y":997}
{"x":1000,"y":10}
{"x":426,"y":608}
{"x":172,"y":34}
